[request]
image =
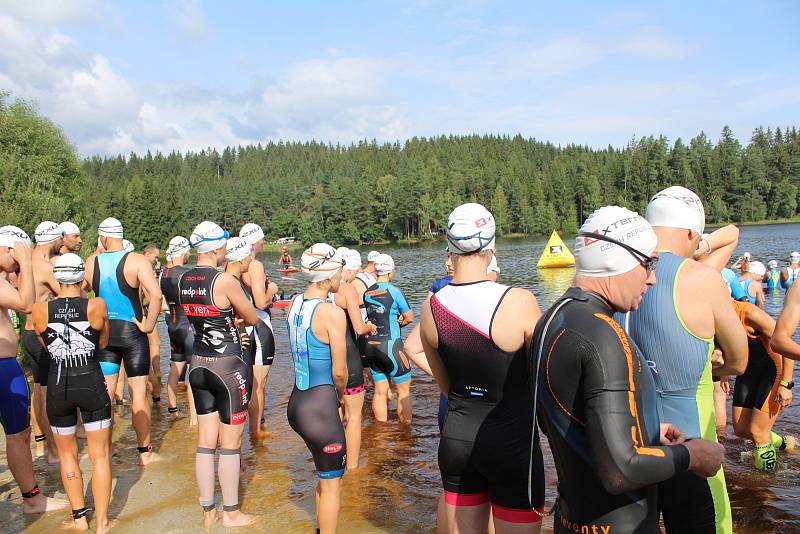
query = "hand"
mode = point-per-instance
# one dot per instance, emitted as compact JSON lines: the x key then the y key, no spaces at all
{"x":141,"y":325}
{"x":725,"y":385}
{"x":373,"y":330}
{"x":671,"y":435}
{"x":717,"y":358}
{"x":21,"y":252}
{"x":244,"y":338}
{"x":783,"y":396}
{"x":705,"y":457}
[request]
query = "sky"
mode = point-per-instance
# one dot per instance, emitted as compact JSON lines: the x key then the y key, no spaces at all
{"x":187,"y":75}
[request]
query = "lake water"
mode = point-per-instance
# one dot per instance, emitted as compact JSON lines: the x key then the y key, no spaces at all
{"x":397,"y":486}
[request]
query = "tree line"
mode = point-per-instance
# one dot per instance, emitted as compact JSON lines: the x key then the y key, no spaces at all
{"x":369,"y":191}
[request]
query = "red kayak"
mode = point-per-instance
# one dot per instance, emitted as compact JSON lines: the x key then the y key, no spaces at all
{"x":288,"y":270}
{"x":282,"y":303}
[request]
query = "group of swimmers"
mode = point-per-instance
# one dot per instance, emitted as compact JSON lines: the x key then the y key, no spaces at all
{"x":618,"y":374}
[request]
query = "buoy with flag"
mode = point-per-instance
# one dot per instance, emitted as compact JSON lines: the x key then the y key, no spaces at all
{"x":555,"y":254}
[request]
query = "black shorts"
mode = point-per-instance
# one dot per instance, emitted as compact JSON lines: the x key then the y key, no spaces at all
{"x":262,"y":342}
{"x":386,"y":359}
{"x":78,"y":388}
{"x":40,"y":359}
{"x":221,"y":384}
{"x":355,"y":369}
{"x":757,"y":387}
{"x":314,"y":415}
{"x":129,"y":346}
{"x":181,"y":341}
{"x":691,"y":504}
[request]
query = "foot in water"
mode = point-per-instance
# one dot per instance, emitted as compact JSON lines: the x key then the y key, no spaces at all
{"x":147,"y":458}
{"x":210,"y":518}
{"x":41,"y":504}
{"x":236,"y":519}
{"x":74,"y":524}
{"x":790,"y":443}
{"x":103,"y":529}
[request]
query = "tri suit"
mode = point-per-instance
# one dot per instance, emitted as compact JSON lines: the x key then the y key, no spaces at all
{"x":383,"y":352}
{"x":181,"y":334}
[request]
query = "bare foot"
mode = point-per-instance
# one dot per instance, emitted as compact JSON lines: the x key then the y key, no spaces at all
{"x":74,"y":524}
{"x":41,"y":504}
{"x":147,"y":458}
{"x":102,"y":529}
{"x":209,"y":518}
{"x":236,"y":519}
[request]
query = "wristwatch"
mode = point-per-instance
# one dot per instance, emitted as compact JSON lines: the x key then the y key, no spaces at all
{"x":787,"y":385}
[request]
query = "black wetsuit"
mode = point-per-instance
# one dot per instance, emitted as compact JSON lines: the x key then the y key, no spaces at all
{"x":221,"y":380}
{"x":181,"y":335}
{"x":597,"y":405}
{"x":355,"y":367}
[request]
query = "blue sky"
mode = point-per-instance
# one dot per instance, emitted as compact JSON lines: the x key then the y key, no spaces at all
{"x":132,"y":76}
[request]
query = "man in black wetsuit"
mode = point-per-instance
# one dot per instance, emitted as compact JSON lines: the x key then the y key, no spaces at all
{"x":596,"y":397}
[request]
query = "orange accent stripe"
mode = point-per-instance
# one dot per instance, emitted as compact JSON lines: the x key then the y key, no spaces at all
{"x":552,"y":393}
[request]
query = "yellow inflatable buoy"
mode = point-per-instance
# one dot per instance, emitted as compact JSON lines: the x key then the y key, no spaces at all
{"x":555,"y":254}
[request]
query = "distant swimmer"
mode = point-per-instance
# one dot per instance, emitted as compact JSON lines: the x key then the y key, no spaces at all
{"x":790,"y":273}
{"x":347,"y":299}
{"x":15,"y":257}
{"x":262,"y":347}
{"x":764,"y":389}
{"x":317,"y":339}
{"x":742,"y":262}
{"x":221,"y":380}
{"x":476,"y":334}
{"x":72,"y":329}
{"x":286,"y":258}
{"x":773,"y":276}
{"x":49,"y":238}
{"x":596,"y":398}
{"x":676,"y":327}
{"x":118,"y":276}
{"x":751,"y":283}
{"x":72,"y":237}
{"x":181,"y":333}
{"x":388,"y":309}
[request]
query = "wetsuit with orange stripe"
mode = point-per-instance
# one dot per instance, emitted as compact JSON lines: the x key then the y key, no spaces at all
{"x":757,"y":387}
{"x":596,"y":402}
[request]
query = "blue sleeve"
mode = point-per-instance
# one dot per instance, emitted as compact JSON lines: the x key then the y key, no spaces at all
{"x":400,"y":300}
{"x":737,"y":291}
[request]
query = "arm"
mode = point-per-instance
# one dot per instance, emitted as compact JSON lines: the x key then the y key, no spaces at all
{"x":98,"y":318}
{"x":20,"y":299}
{"x":788,"y":320}
{"x":784,"y":276}
{"x":337,"y":330}
{"x":407,"y":314}
{"x":759,"y":294}
{"x":258,"y":284}
{"x":241,"y":304}
{"x":149,"y":284}
{"x":715,"y":250}
{"x":430,"y":344}
{"x":728,"y":331}
{"x":272,"y":290}
{"x":348,"y":292}
{"x":39,"y":317}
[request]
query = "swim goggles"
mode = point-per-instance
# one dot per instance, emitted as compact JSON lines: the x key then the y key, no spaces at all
{"x":204,"y":239}
{"x":483,"y":242}
{"x":648,"y":262}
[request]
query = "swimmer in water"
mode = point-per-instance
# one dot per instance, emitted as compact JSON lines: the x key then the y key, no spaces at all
{"x":317,"y":338}
{"x":790,"y":273}
{"x":475,"y":333}
{"x":751,"y":282}
{"x":286,"y":259}
{"x":773,"y":276}
{"x":388,"y":309}
{"x":347,"y":299}
{"x":262,"y":350}
{"x":764,"y":389}
{"x":72,"y":328}
{"x":596,"y":399}
{"x":118,"y":277}
{"x":15,"y":256}
{"x":220,"y":377}
{"x":676,"y":326}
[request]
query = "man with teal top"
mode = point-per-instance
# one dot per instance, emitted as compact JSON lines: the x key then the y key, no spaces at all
{"x":773,"y":276}
{"x":117,"y":275}
{"x":677,"y":325}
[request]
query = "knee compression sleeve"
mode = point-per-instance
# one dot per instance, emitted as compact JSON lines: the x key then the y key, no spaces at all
{"x":228,"y":474}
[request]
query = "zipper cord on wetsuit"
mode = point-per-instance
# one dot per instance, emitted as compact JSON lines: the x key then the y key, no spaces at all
{"x":535,"y":393}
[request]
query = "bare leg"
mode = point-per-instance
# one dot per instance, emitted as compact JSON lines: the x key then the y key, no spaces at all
{"x":380,"y":409}
{"x":101,"y":475}
{"x":140,"y":408}
{"x":37,"y":429}
{"x":720,"y":409}
{"x":467,"y":519}
{"x":441,"y":516}
{"x":255,"y":409}
{"x":175,"y":370}
{"x":71,"y":477}
{"x":192,"y":411}
{"x":328,"y":504}
{"x":119,"y":387}
{"x":404,"y":402}
{"x":507,"y":527}
{"x":18,"y":455}
{"x":353,"y":405}
{"x":154,"y":377}
{"x":40,"y":406}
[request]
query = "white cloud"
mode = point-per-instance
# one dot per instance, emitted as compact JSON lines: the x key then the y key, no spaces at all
{"x":55,"y":12}
{"x":190,"y":18}
{"x":650,"y":43}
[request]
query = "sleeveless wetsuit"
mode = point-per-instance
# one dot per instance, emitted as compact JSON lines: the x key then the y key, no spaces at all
{"x":746,"y":287}
{"x":488,"y":437}
{"x":313,"y":409}
{"x":774,"y":280}
{"x":14,"y":397}
{"x":355,"y":369}
{"x":757,"y":387}
{"x":39,"y":361}
{"x":681,"y":366}
{"x":597,"y":405}
{"x":181,"y":334}
{"x":76,"y":380}
{"x":220,"y":378}
{"x":734,"y":285}
{"x":126,"y":343}
{"x":383,"y":352}
{"x":438,"y":284}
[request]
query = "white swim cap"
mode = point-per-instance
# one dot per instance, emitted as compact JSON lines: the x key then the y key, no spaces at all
{"x":470,"y":228}
{"x":237,"y":249}
{"x":11,"y":234}
{"x":352,"y":261}
{"x":320,"y":262}
{"x":127,"y":246}
{"x":178,"y":246}
{"x":747,"y":256}
{"x":373,"y":255}
{"x":795,"y":257}
{"x":251,"y":233}
{"x":598,"y":258}
{"x":70,"y":228}
{"x":772,"y":264}
{"x":677,"y":207}
{"x":757,"y":268}
{"x":493,"y":267}
{"x":69,"y":269}
{"x":384,"y":264}
{"x":47,"y":232}
{"x":208,"y":236}
{"x":110,"y":227}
